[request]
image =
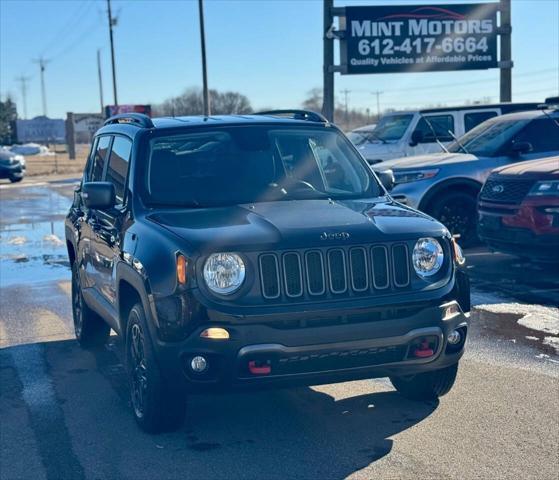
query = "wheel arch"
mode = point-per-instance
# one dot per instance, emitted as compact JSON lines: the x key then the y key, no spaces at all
{"x":455,"y":184}
{"x":71,"y":252}
{"x":131,"y":289}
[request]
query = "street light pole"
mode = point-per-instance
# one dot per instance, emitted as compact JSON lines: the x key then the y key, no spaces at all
{"x":206,"y":93}
{"x":111,"y":23}
{"x":100,"y":79}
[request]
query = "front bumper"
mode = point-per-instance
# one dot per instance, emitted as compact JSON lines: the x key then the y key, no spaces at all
{"x":316,"y":354}
{"x":16,"y":170}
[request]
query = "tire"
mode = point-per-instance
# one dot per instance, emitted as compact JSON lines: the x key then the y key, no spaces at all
{"x":458,"y":212}
{"x":16,"y":179}
{"x":90,"y":329}
{"x":156,"y":407}
{"x":426,"y":386}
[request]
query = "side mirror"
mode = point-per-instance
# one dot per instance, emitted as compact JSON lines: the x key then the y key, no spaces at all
{"x":520,"y":148}
{"x":98,"y":195}
{"x":386,"y":177}
{"x":416,"y":137}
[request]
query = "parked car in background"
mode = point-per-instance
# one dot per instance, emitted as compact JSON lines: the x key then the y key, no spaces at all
{"x":361,"y":134}
{"x":446,"y":185}
{"x":12,"y":166}
{"x":519,"y":209}
{"x":415,"y":132}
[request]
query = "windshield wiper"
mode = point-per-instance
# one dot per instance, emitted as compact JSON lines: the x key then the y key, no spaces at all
{"x":375,"y":136}
{"x":462,"y":147}
{"x":443,"y":148}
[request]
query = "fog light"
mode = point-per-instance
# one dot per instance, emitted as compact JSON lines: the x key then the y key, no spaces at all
{"x":215,"y":333}
{"x":454,"y":337}
{"x":198,"y":364}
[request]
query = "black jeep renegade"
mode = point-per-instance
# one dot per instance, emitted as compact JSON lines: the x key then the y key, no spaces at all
{"x":247,"y":251}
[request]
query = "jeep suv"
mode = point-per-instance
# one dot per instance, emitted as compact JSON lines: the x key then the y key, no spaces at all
{"x":233,"y":252}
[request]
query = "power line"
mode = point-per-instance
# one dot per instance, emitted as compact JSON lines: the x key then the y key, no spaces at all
{"x":23,"y":80}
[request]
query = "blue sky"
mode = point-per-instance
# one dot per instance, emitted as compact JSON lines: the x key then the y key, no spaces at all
{"x":269,"y":50}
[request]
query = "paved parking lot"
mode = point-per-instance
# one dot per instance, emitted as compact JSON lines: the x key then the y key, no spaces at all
{"x":65,"y":411}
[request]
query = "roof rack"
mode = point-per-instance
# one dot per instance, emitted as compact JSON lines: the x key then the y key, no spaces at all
{"x":296,"y":115}
{"x":136,"y":118}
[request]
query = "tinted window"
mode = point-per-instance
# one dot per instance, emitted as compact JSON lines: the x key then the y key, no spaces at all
{"x":542,"y":134}
{"x":472,"y":120}
{"x":436,"y":125}
{"x":99,"y":158}
{"x":118,"y":165}
{"x":236,"y":165}
{"x":489,"y":138}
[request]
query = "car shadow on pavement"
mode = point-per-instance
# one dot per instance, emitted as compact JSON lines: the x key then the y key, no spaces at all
{"x":288,"y":433}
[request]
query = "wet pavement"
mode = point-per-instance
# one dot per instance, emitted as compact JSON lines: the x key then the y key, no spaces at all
{"x":65,"y":411}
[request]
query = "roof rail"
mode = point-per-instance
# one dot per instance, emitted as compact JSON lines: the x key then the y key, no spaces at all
{"x":139,"y":119}
{"x":296,"y":115}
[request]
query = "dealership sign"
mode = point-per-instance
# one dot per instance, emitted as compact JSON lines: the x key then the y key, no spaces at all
{"x":423,"y":38}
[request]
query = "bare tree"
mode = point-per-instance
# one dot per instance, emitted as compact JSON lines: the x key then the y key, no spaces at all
{"x":191,"y":103}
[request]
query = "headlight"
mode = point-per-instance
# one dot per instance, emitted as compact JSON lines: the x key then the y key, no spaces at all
{"x":20,"y":159}
{"x":224,"y":273}
{"x":427,"y":257}
{"x":406,"y":177}
{"x":550,"y":187}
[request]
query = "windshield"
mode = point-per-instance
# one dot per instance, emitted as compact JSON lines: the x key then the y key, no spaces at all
{"x":358,"y":137}
{"x":488,"y":138}
{"x":249,"y":164}
{"x":390,"y":128}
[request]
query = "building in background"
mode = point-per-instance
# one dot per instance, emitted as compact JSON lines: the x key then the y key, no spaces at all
{"x":41,"y":130}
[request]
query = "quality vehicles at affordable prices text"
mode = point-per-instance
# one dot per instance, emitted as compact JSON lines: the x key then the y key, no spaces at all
{"x":235,"y":252}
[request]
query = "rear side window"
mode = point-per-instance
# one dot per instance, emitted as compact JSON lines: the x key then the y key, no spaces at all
{"x":439,"y":125}
{"x":99,"y":158}
{"x":118,"y":165}
{"x":542,"y":134}
{"x":472,"y":120}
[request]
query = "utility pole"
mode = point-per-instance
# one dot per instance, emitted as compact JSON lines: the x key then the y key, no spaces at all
{"x":23,"y":80}
{"x":205,"y":91}
{"x":328,"y":62}
{"x":506,"y":51}
{"x":111,"y":24}
{"x":346,"y":92}
{"x":42,"y":64}
{"x":378,"y":94}
{"x":100,"y":80}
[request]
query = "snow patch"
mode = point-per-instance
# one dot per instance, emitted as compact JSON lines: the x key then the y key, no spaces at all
{"x":552,"y":342}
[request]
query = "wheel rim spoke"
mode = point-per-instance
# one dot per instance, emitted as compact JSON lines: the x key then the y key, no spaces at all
{"x":139,"y":370}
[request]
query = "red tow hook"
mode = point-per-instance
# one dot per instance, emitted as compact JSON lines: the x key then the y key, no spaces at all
{"x":423,"y":351}
{"x":259,"y":368}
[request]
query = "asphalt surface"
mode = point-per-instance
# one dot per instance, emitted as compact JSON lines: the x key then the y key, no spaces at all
{"x":65,"y":413}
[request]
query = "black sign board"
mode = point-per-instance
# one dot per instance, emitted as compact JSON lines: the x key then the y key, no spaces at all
{"x":420,"y":38}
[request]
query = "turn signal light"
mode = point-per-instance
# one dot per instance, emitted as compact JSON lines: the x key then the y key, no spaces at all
{"x":181,"y":269}
{"x":215,"y":333}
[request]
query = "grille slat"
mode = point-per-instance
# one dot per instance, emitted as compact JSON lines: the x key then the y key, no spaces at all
{"x":315,"y":273}
{"x":357,"y":270}
{"x":503,"y":190}
{"x":381,"y":274}
{"x":293,"y":275}
{"x":337,"y":271}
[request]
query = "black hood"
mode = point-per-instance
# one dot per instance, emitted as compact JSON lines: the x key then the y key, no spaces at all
{"x":296,"y":224}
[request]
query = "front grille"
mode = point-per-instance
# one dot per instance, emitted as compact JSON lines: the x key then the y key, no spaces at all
{"x":337,"y":272}
{"x":501,"y":189}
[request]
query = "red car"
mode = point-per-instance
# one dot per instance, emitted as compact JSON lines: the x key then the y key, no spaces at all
{"x":519,"y":209}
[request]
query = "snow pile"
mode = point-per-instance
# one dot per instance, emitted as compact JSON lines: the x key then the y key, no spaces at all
{"x":31,"y":149}
{"x":534,"y":317}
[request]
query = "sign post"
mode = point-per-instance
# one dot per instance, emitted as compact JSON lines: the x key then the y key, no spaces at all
{"x":506,"y":52}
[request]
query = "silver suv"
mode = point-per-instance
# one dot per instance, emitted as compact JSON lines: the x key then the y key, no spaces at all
{"x":445,"y":185}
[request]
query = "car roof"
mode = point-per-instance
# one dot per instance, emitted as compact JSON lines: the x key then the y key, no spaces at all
{"x":504,"y":106}
{"x":166,"y":123}
{"x":526,"y":115}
